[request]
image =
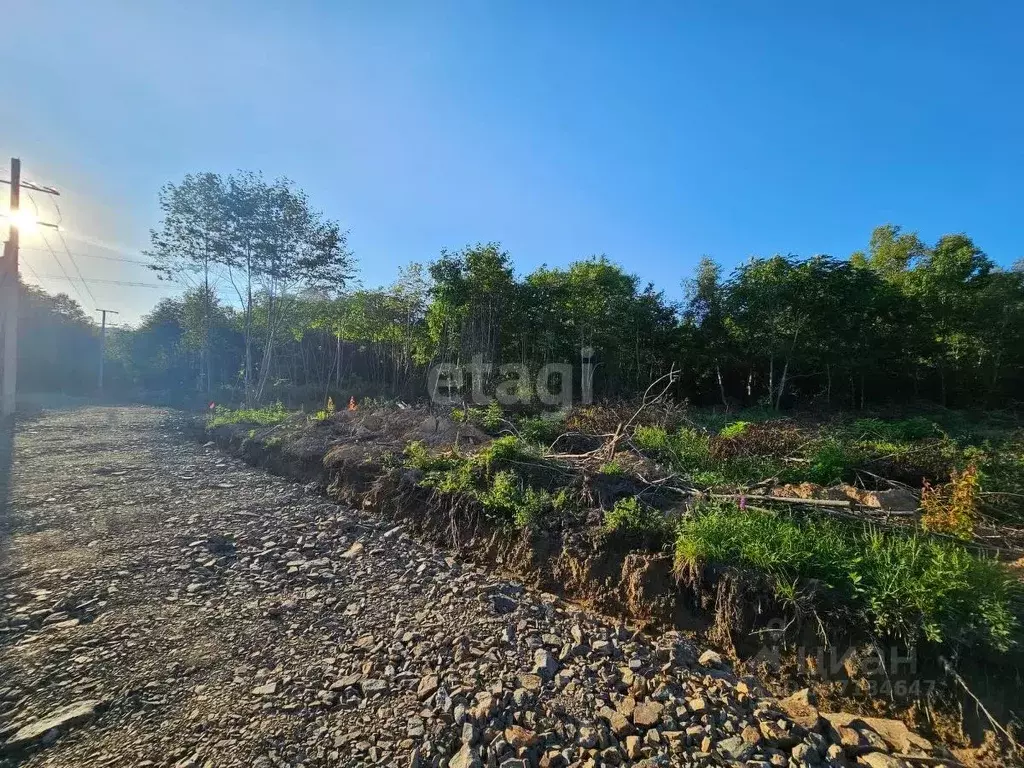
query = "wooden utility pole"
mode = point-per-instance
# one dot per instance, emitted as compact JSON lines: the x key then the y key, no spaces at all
{"x":9,"y":281}
{"x":103,"y":341}
{"x":9,"y":285}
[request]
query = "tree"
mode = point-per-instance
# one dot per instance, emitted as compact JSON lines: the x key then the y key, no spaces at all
{"x":191,"y":241}
{"x":264,"y":237}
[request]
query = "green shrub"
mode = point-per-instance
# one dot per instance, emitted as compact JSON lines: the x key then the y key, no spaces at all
{"x":504,"y":495}
{"x":831,"y":460}
{"x":508,"y":449}
{"x":490,"y":419}
{"x":734,"y":429}
{"x":541,"y":429}
{"x":903,"y":430}
{"x":265,"y":417}
{"x":910,"y":588}
{"x":509,"y":500}
{"x":684,"y":450}
{"x":632,"y":516}
{"x":611,"y":468}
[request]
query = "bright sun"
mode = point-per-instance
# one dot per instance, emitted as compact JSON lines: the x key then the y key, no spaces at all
{"x":23,"y":220}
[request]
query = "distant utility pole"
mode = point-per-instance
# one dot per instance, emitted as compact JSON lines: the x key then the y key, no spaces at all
{"x":9,"y":285}
{"x":103,"y":341}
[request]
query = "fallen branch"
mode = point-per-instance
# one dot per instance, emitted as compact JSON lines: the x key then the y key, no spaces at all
{"x":849,"y":504}
{"x":1014,"y":746}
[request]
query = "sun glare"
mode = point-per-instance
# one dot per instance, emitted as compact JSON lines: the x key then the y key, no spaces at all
{"x":23,"y":220}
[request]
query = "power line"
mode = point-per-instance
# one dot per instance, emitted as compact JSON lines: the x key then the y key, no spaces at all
{"x":75,"y":264}
{"x":80,"y":254}
{"x":68,"y":252}
{"x":62,"y":269}
{"x":66,"y":276}
{"x":30,"y":269}
{"x":105,"y":282}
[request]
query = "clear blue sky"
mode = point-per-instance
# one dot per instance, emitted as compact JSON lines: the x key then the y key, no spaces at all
{"x":651,"y":132}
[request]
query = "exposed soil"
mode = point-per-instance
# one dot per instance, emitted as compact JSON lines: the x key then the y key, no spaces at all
{"x":164,"y":604}
{"x":732,"y":610}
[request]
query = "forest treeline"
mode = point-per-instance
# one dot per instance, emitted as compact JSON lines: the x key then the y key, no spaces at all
{"x":269,"y":311}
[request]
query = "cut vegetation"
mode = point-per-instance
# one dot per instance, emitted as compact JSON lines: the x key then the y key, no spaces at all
{"x":866,"y":533}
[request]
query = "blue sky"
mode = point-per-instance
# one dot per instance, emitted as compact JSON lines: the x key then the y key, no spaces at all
{"x":651,"y":132}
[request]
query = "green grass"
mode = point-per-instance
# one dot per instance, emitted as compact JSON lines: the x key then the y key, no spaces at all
{"x":910,"y":588}
{"x":612,"y":468}
{"x":493,"y":476}
{"x":264,"y":417}
{"x":541,"y":429}
{"x":688,"y":452}
{"x":734,"y":429}
{"x":631,"y":516}
{"x":740,"y":453}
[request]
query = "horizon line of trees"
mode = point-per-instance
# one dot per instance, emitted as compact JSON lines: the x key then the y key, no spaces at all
{"x":900,"y":321}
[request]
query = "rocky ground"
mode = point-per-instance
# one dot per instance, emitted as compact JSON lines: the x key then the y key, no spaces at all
{"x":163,"y":604}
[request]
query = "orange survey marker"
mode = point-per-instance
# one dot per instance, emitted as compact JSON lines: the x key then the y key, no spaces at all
{"x":352,"y":403}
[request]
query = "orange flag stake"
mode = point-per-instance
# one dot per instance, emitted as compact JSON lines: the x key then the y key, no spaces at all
{"x":352,"y":403}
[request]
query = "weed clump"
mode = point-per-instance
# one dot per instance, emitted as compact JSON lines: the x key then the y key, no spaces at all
{"x":831,"y":461}
{"x":264,"y":417}
{"x":612,"y":468}
{"x":326,"y":412}
{"x":488,"y":477}
{"x":632,"y":516}
{"x":541,"y":429}
{"x":952,"y":508}
{"x":490,"y":419}
{"x":907,"y":587}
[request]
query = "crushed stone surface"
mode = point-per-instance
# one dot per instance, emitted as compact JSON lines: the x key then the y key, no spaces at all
{"x":163,"y":604}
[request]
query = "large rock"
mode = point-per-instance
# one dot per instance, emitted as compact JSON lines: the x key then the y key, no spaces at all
{"x":647,"y":714}
{"x":896,"y":735}
{"x":57,"y":721}
{"x":465,"y":758}
{"x":544,"y":663}
{"x":881,"y":760}
{"x":617,"y":721}
{"x":801,"y":709}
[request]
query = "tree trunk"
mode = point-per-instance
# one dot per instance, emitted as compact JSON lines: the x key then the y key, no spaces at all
{"x":782,"y":385}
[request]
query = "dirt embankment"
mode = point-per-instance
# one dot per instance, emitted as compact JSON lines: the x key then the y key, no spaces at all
{"x":352,"y":457}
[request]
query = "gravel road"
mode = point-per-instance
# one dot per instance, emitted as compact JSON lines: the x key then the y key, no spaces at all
{"x":164,"y":604}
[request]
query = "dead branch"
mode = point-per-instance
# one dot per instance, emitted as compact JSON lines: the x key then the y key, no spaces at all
{"x":1014,"y":746}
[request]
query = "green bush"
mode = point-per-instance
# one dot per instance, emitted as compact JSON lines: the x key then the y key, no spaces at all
{"x":503,"y":493}
{"x":540,"y":429}
{"x":632,"y":516}
{"x":686,"y":449}
{"x":509,"y":500}
{"x":490,"y":419}
{"x":265,"y":417}
{"x":831,"y":461}
{"x":910,"y":588}
{"x":734,"y":429}
{"x":611,"y":468}
{"x":508,"y":448}
{"x":903,"y":430}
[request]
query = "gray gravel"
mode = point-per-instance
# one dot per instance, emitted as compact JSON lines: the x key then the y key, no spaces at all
{"x":163,"y":604}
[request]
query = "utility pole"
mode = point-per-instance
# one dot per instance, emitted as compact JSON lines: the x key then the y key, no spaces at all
{"x":103,"y":341}
{"x":10,"y":299}
{"x":9,"y":285}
